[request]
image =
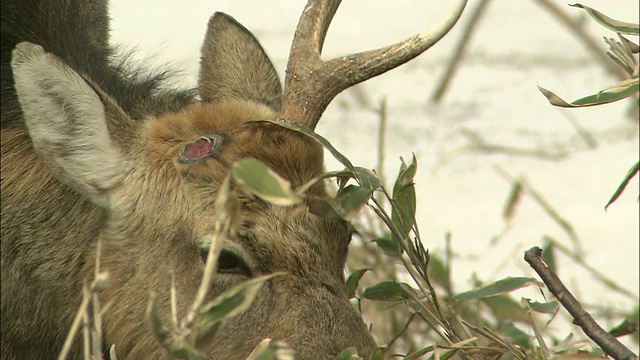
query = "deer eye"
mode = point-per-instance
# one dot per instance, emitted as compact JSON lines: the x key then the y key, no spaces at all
{"x":229,"y":263}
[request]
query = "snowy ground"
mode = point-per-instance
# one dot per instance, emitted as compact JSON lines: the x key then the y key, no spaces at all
{"x":494,"y":96}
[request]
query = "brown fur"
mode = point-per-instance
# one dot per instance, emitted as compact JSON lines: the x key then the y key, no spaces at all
{"x":153,"y":213}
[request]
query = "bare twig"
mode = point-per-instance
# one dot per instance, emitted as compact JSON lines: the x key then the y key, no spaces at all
{"x":174,"y":302}
{"x":86,"y":335}
{"x":459,"y":50}
{"x":112,"y":353}
{"x":606,"y":341}
{"x":98,"y":284}
{"x":382,"y":132}
{"x":480,"y":144}
{"x":584,"y":134}
{"x":596,"y":274}
{"x":536,"y":331}
{"x":448,"y":286}
{"x":89,"y":294}
{"x":553,"y":214}
{"x":404,"y":328}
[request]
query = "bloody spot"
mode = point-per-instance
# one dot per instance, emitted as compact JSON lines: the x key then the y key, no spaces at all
{"x":200,"y":149}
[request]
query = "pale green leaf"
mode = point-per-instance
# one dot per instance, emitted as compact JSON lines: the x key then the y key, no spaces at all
{"x":367,"y":179}
{"x":187,"y":353}
{"x":404,"y":198}
{"x":353,"y":280}
{"x":350,"y":200}
{"x":153,"y":318}
{"x":233,"y":301}
{"x":308,"y":132}
{"x":323,"y":208}
{"x":386,"y":290}
{"x":350,"y":353}
{"x":613,"y":93}
{"x":389,"y":246}
{"x":542,"y":307}
{"x":499,"y":287}
{"x":256,"y":178}
{"x":630,"y":174}
{"x":611,"y":24}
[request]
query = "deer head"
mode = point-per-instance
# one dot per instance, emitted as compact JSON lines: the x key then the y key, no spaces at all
{"x":146,"y":188}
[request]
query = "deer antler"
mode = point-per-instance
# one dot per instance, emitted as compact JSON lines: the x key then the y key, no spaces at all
{"x":311,"y":84}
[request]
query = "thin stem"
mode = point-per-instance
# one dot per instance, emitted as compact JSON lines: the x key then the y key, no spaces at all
{"x":221,"y":228}
{"x":459,"y":50}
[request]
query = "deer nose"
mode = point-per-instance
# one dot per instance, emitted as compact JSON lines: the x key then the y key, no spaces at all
{"x":320,"y":323}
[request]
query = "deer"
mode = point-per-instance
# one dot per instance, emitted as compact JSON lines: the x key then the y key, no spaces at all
{"x":95,"y":150}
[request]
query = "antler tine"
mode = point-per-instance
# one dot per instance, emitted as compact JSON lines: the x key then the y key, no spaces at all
{"x":312,"y":27}
{"x":304,"y":59}
{"x":311,"y":84}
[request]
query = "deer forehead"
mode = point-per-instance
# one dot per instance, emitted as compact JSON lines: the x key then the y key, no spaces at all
{"x":187,"y":190}
{"x":292,"y":155}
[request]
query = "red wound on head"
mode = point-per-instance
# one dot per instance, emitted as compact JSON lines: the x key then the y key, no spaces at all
{"x":200,"y":149}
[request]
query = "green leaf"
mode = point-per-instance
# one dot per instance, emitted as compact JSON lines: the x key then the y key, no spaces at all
{"x":256,"y":178}
{"x":499,"y":287}
{"x":350,"y":200}
{"x":611,"y":24}
{"x":515,"y":334}
{"x":629,"y":326}
{"x":404,"y":198}
{"x":548,"y":255}
{"x":389,"y":246}
{"x":387,"y":290}
{"x":271,"y":349}
{"x":420,"y":353}
{"x":505,"y":308}
{"x":630,"y":174}
{"x":379,"y":353}
{"x":159,"y":331}
{"x":353,"y":280}
{"x":187,"y":353}
{"x":438,"y":271}
{"x":233,"y":301}
{"x":322,"y":141}
{"x":613,"y":93}
{"x":350,"y":353}
{"x":515,"y":195}
{"x":321,"y":207}
{"x":366,"y":178}
{"x":626,"y":327}
{"x":543,"y":308}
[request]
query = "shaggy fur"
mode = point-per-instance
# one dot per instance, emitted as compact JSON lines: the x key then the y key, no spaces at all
{"x":90,"y":152}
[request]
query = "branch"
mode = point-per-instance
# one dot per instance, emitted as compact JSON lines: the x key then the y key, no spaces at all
{"x":606,"y":341}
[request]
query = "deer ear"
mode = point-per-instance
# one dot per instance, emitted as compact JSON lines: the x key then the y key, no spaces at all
{"x":66,"y":122}
{"x":235,"y":66}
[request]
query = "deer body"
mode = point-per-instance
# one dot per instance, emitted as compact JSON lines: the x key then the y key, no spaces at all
{"x":91,"y":151}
